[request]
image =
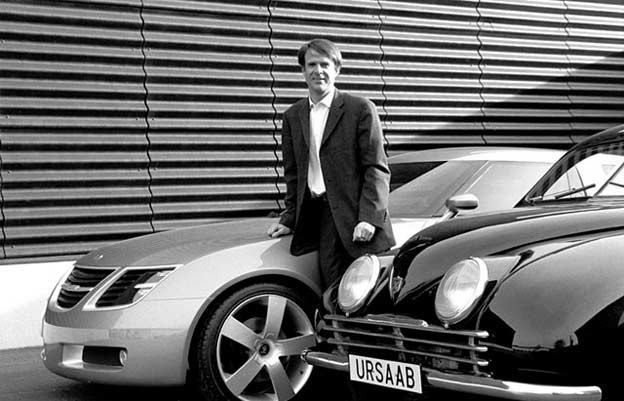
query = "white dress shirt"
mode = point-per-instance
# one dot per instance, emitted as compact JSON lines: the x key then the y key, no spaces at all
{"x":318,"y":119}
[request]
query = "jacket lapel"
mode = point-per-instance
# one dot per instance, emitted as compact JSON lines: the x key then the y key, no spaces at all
{"x":335,"y":113}
{"x":304,"y":119}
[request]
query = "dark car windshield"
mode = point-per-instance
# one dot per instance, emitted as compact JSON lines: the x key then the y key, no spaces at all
{"x":497,"y":184}
{"x":587,"y":172}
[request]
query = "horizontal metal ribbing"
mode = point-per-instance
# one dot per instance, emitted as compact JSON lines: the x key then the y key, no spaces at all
{"x":475,"y":348}
{"x":121,"y":117}
{"x":404,"y":336}
{"x":478,"y":362}
{"x":406,"y":323}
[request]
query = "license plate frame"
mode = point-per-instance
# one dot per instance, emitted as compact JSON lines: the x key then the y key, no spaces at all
{"x":385,"y":373}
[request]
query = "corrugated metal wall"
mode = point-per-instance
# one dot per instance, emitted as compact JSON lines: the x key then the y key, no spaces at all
{"x":210,"y":116}
{"x":74,"y":134}
{"x":123,"y":117}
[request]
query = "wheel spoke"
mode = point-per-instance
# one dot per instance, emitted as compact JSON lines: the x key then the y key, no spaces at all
{"x":237,"y":331}
{"x":281,"y":382}
{"x":275,"y":315}
{"x":294,"y":345}
{"x":238,"y":381}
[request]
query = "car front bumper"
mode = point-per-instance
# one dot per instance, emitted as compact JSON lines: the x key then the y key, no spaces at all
{"x":475,"y":385}
{"x":154,"y":336}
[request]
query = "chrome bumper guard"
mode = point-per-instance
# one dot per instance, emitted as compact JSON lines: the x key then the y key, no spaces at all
{"x":475,"y":385}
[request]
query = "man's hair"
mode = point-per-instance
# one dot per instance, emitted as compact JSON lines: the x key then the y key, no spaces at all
{"x":322,"y":46}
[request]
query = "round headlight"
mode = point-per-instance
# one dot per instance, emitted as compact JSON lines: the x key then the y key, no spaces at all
{"x":460,"y":289}
{"x":357,"y":283}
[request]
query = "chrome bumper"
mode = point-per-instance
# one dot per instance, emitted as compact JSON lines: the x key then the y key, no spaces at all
{"x":475,"y":385}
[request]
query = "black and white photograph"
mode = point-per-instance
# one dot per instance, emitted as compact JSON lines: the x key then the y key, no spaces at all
{"x":273,"y":200}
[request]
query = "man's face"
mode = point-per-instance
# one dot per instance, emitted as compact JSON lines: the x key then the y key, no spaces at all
{"x":320,"y":73}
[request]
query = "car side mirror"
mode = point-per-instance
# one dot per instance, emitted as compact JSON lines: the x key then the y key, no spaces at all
{"x":456,"y":203}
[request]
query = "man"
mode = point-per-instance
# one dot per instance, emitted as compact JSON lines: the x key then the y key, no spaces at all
{"x":335,"y":168}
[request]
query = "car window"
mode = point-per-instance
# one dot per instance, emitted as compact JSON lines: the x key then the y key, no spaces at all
{"x":501,"y":184}
{"x":615,"y":185}
{"x":425,"y":195}
{"x":571,"y":179}
{"x":402,"y":173}
{"x":591,"y":173}
{"x":586,"y":172}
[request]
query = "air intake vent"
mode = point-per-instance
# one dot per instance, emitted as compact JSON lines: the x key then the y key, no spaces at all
{"x":79,"y":283}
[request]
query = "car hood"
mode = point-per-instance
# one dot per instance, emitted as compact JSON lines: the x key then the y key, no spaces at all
{"x":428,"y":255}
{"x":179,"y":246}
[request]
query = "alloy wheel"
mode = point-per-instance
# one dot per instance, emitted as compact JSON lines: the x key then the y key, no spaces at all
{"x":259,"y":347}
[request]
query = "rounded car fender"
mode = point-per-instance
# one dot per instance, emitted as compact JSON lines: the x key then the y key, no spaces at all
{"x":550,"y":301}
{"x":206,"y":276}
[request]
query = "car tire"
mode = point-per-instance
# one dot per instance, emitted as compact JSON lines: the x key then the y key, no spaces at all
{"x":249,"y":347}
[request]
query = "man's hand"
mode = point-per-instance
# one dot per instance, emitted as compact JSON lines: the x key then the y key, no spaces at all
{"x":277,"y":230}
{"x":363,"y":232}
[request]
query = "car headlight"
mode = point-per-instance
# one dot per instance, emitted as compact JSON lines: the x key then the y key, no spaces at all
{"x":460,"y":289}
{"x":357,"y":283}
{"x":133,"y":286}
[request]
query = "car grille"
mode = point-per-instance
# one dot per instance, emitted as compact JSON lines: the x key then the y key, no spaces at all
{"x":78,"y":284}
{"x":406,"y":339}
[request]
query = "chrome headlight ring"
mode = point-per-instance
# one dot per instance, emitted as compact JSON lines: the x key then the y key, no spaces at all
{"x":460,"y":289}
{"x":357,"y":283}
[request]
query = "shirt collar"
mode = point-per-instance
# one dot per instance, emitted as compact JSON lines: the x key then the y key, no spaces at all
{"x":326,"y":100}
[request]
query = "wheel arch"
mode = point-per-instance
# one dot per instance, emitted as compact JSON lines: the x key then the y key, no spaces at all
{"x":571,"y":289}
{"x":309,"y":289}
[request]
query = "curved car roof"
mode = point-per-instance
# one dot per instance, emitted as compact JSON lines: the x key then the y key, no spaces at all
{"x":608,"y":135}
{"x":499,"y":153}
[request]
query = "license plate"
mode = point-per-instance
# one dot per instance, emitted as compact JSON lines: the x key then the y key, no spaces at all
{"x":380,"y":372}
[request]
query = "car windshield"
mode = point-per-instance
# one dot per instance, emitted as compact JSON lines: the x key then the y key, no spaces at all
{"x":421,"y":189}
{"x":588,"y":172}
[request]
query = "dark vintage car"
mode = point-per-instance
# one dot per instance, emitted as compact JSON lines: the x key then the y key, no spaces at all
{"x":524,"y":304}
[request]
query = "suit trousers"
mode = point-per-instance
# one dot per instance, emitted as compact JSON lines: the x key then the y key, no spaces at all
{"x":333,"y":257}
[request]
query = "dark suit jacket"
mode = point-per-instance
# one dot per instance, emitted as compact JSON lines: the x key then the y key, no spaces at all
{"x":354,"y":167}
